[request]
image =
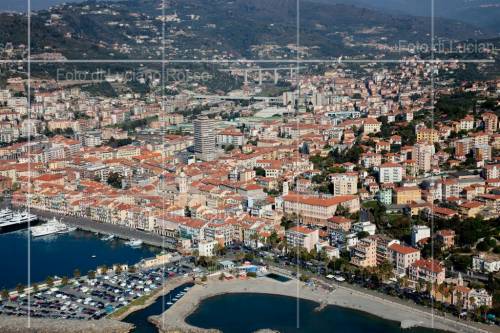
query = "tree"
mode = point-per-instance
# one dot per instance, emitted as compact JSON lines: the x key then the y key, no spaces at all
{"x":5,"y":294}
{"x":118,"y":269}
{"x":204,"y":278}
{"x":64,"y":280}
{"x":91,"y":275}
{"x":76,"y":273}
{"x":115,"y":180}
{"x":19,"y":288}
{"x":260,"y":172}
{"x":49,"y":281}
{"x":362,"y":234}
{"x":131,"y":269}
{"x":104,"y":269}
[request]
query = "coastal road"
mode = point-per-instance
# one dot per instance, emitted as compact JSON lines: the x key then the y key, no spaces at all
{"x":106,"y":228}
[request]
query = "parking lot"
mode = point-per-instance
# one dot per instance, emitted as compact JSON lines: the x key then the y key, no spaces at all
{"x":87,"y":298}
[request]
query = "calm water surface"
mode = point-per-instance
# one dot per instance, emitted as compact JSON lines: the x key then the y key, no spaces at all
{"x":247,"y":313}
{"x":60,"y":255}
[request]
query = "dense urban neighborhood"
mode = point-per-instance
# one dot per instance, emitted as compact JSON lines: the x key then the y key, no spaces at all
{"x":384,"y":176}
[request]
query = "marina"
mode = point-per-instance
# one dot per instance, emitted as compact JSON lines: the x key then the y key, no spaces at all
{"x":140,"y":318}
{"x":62,"y":254}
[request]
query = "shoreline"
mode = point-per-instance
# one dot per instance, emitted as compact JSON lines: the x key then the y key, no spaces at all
{"x":170,"y":285}
{"x":174,"y":319}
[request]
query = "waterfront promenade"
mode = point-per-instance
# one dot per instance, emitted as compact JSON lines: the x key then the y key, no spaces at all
{"x":174,"y":318}
{"x":105,"y":228}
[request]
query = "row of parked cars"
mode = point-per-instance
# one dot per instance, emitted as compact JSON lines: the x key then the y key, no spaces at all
{"x":88,"y":298}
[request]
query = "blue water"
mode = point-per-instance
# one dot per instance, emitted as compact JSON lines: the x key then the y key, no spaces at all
{"x":247,"y":313}
{"x":140,"y":318}
{"x":60,"y":255}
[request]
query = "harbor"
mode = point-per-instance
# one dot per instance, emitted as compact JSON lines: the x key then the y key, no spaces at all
{"x":62,"y":254}
{"x":107,"y":229}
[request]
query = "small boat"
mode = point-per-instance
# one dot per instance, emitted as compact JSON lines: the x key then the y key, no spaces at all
{"x":134,"y":243}
{"x":186,"y":289}
{"x":108,"y":237}
{"x":94,"y":256}
{"x":169,"y":303}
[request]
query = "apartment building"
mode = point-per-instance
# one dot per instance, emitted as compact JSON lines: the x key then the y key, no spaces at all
{"x":402,"y":257}
{"x":426,"y":270}
{"x":406,"y":194}
{"x":364,"y":253}
{"x":390,"y":173}
{"x":303,"y":237}
{"x":344,"y":183}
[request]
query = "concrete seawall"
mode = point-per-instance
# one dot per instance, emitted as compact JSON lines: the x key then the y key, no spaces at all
{"x":9,"y":324}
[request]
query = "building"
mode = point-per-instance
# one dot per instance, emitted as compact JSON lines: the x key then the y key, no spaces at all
{"x":317,"y":210}
{"x":446,"y":237}
{"x":490,"y":121}
{"x":402,"y":257}
{"x":424,"y":270}
{"x":419,"y":232}
{"x":406,"y":194}
{"x":390,"y":173}
{"x":427,"y":135}
{"x":364,"y":253}
{"x":385,"y":196}
{"x":486,"y":262}
{"x":492,"y":171}
{"x":303,"y":237}
{"x":230,"y":137}
{"x":207,"y":248}
{"x":366,"y":226}
{"x":339,"y":223}
{"x":422,"y":154}
{"x":344,"y":183}
{"x":204,"y":138}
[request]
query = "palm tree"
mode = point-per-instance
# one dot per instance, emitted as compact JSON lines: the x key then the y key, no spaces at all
{"x":472,"y":302}
{"x":19,"y":288}
{"x":91,"y":275}
{"x":76,"y":273}
{"x":5,"y":294}
{"x":49,"y":281}
{"x":64,"y":280}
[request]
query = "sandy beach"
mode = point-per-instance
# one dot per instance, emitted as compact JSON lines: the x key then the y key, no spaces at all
{"x":173,"y":320}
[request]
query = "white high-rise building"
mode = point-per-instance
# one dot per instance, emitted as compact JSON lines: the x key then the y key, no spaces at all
{"x":204,"y":138}
{"x":422,"y":154}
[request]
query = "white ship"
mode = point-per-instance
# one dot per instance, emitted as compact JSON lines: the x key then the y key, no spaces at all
{"x":6,"y":215}
{"x":134,"y":242}
{"x":49,"y":228}
{"x":11,"y":221}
